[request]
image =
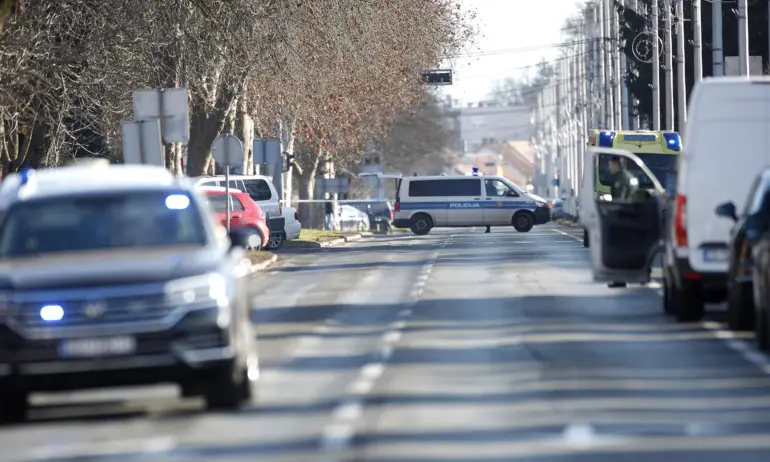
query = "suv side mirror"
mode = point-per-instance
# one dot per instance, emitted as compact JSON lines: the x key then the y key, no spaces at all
{"x":238,"y":238}
{"x":755,"y":226}
{"x":511,"y":193}
{"x":727,"y":210}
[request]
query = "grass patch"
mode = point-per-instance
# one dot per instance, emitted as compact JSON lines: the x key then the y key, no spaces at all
{"x":259,"y":257}
{"x":321,"y":235}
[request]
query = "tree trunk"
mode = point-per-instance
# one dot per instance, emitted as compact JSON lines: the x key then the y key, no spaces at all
{"x":311,"y":214}
{"x":244,"y":129}
{"x":205,"y":126}
{"x":287,"y":144}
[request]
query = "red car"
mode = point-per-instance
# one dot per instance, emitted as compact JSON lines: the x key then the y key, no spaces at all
{"x":245,"y":213}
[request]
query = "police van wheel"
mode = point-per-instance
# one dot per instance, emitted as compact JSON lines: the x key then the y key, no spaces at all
{"x":421,"y":224}
{"x":523,"y":221}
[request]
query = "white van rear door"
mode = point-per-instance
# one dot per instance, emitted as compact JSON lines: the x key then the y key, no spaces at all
{"x":726,"y":146}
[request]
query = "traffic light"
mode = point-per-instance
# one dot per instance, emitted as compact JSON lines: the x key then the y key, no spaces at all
{"x":437,"y":76}
{"x":289,"y":162}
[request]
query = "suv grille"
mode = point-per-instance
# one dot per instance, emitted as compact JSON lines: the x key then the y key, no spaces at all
{"x":94,"y":311}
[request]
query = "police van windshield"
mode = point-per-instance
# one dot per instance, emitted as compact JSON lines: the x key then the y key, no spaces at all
{"x":513,"y":186}
{"x":662,"y":166}
{"x":115,"y":221}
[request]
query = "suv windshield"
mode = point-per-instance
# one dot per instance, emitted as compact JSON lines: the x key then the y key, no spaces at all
{"x":114,"y":221}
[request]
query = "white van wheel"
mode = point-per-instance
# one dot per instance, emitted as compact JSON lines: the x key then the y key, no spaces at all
{"x":421,"y":224}
{"x":523,"y":221}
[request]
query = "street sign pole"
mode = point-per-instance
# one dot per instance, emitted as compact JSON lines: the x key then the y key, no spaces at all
{"x":227,"y":151}
{"x":227,"y":195}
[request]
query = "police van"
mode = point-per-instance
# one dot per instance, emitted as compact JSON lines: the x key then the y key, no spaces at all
{"x":426,"y":202}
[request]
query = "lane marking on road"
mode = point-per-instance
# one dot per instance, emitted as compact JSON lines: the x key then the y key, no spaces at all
{"x":338,"y":434}
{"x":740,"y":346}
{"x":83,"y":450}
{"x":579,"y":239}
{"x":743,"y":347}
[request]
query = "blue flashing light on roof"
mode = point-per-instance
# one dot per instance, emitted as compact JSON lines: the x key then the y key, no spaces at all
{"x":26,"y":175}
{"x":606,"y":138}
{"x":673,"y":141}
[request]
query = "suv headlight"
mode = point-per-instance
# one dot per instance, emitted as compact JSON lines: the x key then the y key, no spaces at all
{"x":211,"y":287}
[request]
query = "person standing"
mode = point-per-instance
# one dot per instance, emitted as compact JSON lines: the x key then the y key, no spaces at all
{"x":475,"y":172}
{"x":328,"y":216}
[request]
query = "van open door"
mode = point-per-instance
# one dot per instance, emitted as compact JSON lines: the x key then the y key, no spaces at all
{"x":625,"y":232}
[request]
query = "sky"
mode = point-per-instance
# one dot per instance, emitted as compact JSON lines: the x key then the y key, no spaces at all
{"x":513,"y":34}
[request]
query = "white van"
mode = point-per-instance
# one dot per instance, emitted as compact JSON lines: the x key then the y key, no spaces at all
{"x":726,"y":143}
{"x":426,"y":202}
{"x":262,"y":191}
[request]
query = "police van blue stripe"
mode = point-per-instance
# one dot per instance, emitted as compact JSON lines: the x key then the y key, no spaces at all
{"x":468,"y":205}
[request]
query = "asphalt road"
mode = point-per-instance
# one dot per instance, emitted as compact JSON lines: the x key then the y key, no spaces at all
{"x":455,"y":346}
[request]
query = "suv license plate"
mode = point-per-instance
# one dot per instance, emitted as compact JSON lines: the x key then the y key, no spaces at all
{"x":94,"y":347}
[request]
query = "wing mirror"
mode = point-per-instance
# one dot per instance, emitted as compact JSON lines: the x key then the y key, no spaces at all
{"x":727,"y":210}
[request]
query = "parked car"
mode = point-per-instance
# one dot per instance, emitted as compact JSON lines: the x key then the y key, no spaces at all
{"x":291,"y":229}
{"x":262,"y":191}
{"x":379,"y":212}
{"x":352,"y":219}
{"x":245,"y":214}
{"x":743,"y":312}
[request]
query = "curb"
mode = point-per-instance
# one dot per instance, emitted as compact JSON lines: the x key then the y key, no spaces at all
{"x":262,"y":265}
{"x":325,"y":244}
{"x":572,"y":224}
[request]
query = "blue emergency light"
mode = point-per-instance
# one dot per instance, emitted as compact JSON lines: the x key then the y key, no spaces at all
{"x":26,"y":175}
{"x":606,"y":138}
{"x":673,"y":141}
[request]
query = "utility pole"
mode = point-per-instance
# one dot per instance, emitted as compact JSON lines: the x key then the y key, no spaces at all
{"x":623,"y":72}
{"x":634,"y":103}
{"x":617,"y":68}
{"x":717,"y":48}
{"x":743,"y":37}
{"x":668,"y":64}
{"x":601,"y":82}
{"x":583,"y":78}
{"x":559,"y":92}
{"x":655,"y":67}
{"x":680,"y":68}
{"x":609,"y":69}
{"x":698,"y":41}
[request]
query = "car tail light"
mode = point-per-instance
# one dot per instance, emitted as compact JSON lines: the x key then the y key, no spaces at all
{"x":296,"y":215}
{"x":680,"y":229}
{"x":398,"y":206}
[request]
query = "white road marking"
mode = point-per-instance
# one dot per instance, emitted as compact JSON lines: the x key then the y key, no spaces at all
{"x":102,"y":448}
{"x":339,"y":433}
{"x":579,"y":239}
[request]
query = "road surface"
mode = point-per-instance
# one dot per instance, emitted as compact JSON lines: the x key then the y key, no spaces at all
{"x":454,"y":346}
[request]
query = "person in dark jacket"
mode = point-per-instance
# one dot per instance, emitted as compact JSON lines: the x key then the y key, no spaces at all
{"x":329,"y":216}
{"x":624,"y":184}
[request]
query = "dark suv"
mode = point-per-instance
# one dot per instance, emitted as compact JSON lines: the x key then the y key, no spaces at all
{"x":119,"y":276}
